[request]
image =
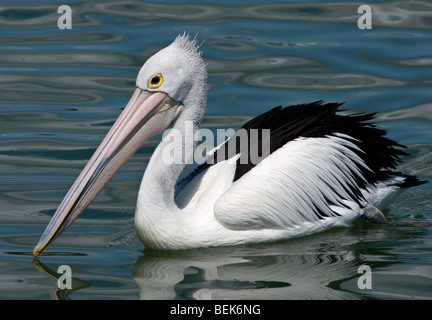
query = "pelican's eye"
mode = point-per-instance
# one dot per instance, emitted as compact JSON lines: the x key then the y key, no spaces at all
{"x":155,"y":81}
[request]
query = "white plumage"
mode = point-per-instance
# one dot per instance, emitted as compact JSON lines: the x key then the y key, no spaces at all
{"x":276,"y":200}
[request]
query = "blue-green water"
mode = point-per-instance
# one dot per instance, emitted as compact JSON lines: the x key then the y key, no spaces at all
{"x":61,"y":90}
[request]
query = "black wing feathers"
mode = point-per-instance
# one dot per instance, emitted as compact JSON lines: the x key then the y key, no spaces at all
{"x":320,"y":119}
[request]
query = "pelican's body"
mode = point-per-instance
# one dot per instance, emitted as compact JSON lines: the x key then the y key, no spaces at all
{"x":323,"y":169}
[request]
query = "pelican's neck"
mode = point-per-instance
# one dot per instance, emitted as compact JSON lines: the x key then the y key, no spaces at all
{"x":170,"y":157}
{"x":164,"y":168}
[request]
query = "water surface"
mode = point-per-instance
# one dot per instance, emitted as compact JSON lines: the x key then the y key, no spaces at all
{"x":61,"y":90}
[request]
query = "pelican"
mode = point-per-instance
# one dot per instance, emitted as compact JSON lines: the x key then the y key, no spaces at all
{"x":323,"y":169}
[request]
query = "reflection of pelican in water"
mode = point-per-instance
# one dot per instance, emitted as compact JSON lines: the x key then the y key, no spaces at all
{"x":306,"y":268}
{"x":282,"y":272}
{"x":324,"y":169}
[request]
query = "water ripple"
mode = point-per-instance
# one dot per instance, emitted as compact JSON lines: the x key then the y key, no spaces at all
{"x":321,"y":81}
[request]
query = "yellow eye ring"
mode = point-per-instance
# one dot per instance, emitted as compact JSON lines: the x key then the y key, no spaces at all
{"x":155,"y":81}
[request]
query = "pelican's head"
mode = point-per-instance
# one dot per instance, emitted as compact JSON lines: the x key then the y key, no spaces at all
{"x":178,"y":70}
{"x":170,"y":86}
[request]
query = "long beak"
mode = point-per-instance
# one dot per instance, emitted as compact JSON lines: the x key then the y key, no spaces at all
{"x":145,"y":115}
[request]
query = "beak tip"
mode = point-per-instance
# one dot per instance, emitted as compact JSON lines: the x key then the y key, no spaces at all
{"x":35,"y":252}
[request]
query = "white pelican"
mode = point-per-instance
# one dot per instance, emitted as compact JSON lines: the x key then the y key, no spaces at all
{"x":324,"y":169}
